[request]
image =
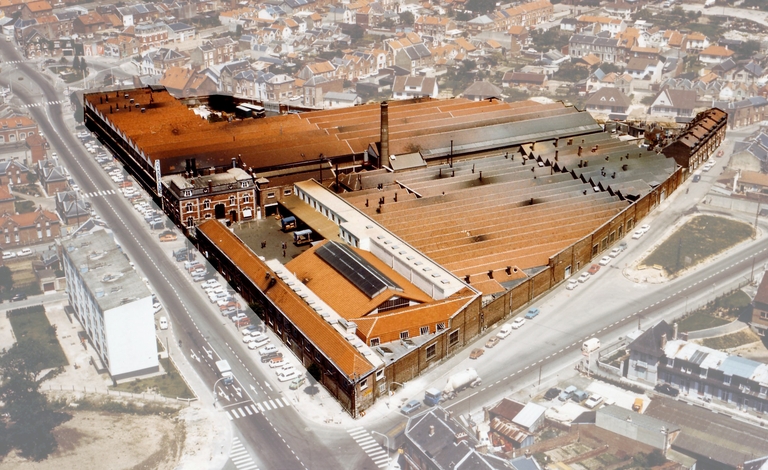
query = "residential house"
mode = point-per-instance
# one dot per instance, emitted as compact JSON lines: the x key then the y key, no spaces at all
{"x":280,"y":87}
{"x":433,"y":26}
{"x":86,"y":25}
{"x":252,"y":84}
{"x":37,"y":147}
{"x":745,"y":112}
{"x":651,"y":53}
{"x":14,"y":172}
{"x":36,"y":9}
{"x":434,"y":440}
{"x":596,"y":24}
{"x":370,"y":15}
{"x":180,"y":32}
{"x":646,"y":351}
{"x":759,"y":323}
{"x":214,"y":52}
{"x":16,"y":129}
{"x":53,"y":178}
{"x":605,"y":48}
{"x":609,"y":101}
{"x":316,"y":87}
{"x":715,"y":54}
{"x":333,"y":99}
{"x":406,"y":87}
{"x":518,"y":39}
{"x":71,"y":208}
{"x":523,"y":80}
{"x":175,"y":80}
{"x":638,"y":427}
{"x":150,"y":35}
{"x":325,"y":69}
{"x":696,"y":42}
{"x":228,"y":73}
{"x":527,"y":14}
{"x":410,"y":55}
{"x":482,"y":90}
{"x":674,"y":103}
{"x":699,"y":140}
{"x":39,"y":226}
{"x":158,"y":61}
{"x":621,"y":9}
{"x":645,"y":69}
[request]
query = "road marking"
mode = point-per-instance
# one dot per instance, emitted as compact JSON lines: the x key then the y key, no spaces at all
{"x":240,"y":456}
{"x":370,"y":446}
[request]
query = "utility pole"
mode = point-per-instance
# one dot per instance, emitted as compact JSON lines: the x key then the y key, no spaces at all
{"x":757,"y":214}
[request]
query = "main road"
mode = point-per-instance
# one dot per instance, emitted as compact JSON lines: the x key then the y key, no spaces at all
{"x":279,"y":439}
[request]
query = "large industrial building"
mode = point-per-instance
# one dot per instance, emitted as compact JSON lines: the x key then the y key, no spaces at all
{"x":435,"y":218}
{"x":112,"y":303}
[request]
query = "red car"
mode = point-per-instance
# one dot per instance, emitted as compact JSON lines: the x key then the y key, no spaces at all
{"x":594,"y":269}
{"x":720,"y":153}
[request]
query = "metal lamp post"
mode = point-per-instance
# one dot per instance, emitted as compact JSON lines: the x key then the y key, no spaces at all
{"x":389,"y":390}
{"x":215,"y":397}
{"x":385,"y":437}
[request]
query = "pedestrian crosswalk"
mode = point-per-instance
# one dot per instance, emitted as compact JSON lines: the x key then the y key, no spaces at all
{"x":240,"y":457}
{"x":98,"y":193}
{"x":14,"y":61}
{"x":369,"y":445}
{"x":242,"y":411}
{"x":46,"y":103}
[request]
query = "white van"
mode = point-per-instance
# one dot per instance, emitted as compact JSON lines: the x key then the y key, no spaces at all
{"x":589,"y":346}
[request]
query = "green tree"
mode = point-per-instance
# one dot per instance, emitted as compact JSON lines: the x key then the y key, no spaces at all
{"x":31,"y":419}
{"x":407,"y":18}
{"x":746,"y":50}
{"x":6,"y":279}
{"x":570,"y":72}
{"x":543,"y":41}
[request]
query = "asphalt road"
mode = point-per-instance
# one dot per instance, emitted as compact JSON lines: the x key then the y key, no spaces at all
{"x":276,"y":440}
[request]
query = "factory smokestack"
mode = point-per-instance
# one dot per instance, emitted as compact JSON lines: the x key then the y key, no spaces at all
{"x":384,"y":134}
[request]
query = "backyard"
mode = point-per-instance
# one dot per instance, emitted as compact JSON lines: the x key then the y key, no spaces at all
{"x":23,"y":275}
{"x":733,"y":340}
{"x":31,"y":324}
{"x":697,"y":240}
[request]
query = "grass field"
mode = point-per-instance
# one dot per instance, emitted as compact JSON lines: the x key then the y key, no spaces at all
{"x":740,"y":338}
{"x":30,"y":323}
{"x":701,"y":237}
{"x":169,"y":385}
{"x":730,"y":306}
{"x":701,"y":321}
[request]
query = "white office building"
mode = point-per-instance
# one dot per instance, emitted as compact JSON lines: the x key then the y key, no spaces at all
{"x":112,"y":303}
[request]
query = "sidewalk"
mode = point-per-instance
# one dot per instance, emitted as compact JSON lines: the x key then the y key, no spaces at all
{"x":732,"y":327}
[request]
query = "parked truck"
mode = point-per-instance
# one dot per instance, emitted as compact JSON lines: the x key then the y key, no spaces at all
{"x":460,"y":381}
{"x":225,"y":372}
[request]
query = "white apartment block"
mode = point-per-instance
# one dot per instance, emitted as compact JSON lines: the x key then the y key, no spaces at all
{"x":112,"y":303}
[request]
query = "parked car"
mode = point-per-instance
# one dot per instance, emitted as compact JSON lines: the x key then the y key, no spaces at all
{"x":289,"y":376}
{"x":228,"y":311}
{"x":410,"y":407}
{"x":696,"y":178}
{"x":593,"y":401}
{"x":267,"y":349}
{"x":505,"y":330}
{"x":637,"y":234}
{"x":518,"y":322}
{"x":297,"y":382}
{"x":210,"y":283}
{"x":271,"y":356}
{"x":566,"y":393}
{"x":477,"y":352}
{"x":707,"y":167}
{"x":719,"y":153}
{"x":276,"y":362}
{"x":163,"y":323}
{"x":249,"y":329}
{"x":583,"y":277}
{"x":238,"y":317}
{"x":604,"y":261}
{"x":18,"y":296}
{"x":24,"y":252}
{"x":667,"y":389}
{"x":285,"y":369}
{"x":260,"y":343}
{"x":615,"y":252}
{"x":493,"y":341}
{"x":572,"y":284}
{"x":167,"y":237}
{"x":532,"y":312}
{"x":594,"y":268}
{"x":156,"y":307}
{"x":552,"y":393}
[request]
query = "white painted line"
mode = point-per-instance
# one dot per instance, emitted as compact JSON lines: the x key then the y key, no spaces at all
{"x":261,"y":408}
{"x":272,"y":403}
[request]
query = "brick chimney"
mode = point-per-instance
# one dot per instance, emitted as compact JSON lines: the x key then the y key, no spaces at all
{"x":384,"y":137}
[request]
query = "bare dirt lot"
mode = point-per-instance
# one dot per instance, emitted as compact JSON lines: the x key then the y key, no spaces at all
{"x":97,"y":440}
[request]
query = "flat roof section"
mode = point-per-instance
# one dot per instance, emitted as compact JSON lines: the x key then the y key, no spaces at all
{"x":312,"y":218}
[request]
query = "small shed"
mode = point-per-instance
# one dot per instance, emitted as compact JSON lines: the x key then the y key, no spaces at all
{"x":288,"y":223}
{"x":530,"y":418}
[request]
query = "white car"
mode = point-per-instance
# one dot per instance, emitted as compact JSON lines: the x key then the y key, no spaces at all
{"x":604,"y":260}
{"x":75,"y":187}
{"x":519,"y":321}
{"x":163,"y":323}
{"x":505,"y":330}
{"x":256,"y":336}
{"x":267,"y":350}
{"x":614,"y":252}
{"x":707,"y":167}
{"x":637,"y":234}
{"x":583,"y":277}
{"x":157,"y":307}
{"x":572,"y":284}
{"x":289,"y":376}
{"x":210,"y":284}
{"x":258,"y":344}
{"x":286,"y":369}
{"x":274,"y":364}
{"x":593,"y":401}
{"x":8,"y":255}
{"x":24,"y":252}
{"x":645,"y":227}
